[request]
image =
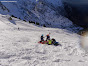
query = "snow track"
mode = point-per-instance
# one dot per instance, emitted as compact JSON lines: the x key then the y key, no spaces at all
{"x":20,"y":47}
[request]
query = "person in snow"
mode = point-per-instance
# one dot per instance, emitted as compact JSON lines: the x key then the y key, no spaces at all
{"x":53,"y":41}
{"x":42,"y":38}
{"x":47,"y":37}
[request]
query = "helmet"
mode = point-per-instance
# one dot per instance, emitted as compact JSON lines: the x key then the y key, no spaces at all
{"x":42,"y":34}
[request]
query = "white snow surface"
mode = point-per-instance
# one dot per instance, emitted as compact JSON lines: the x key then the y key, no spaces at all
{"x":20,"y":47}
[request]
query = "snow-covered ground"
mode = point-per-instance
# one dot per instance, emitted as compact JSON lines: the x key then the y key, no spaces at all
{"x":20,"y":47}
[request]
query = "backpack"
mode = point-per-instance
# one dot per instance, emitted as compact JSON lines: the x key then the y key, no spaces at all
{"x":49,"y":42}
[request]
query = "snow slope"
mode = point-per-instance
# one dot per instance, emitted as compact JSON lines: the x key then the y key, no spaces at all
{"x":20,"y":47}
{"x":32,"y":10}
{"x":44,"y":12}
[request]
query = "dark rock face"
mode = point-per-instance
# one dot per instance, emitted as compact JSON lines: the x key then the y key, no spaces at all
{"x":77,"y":13}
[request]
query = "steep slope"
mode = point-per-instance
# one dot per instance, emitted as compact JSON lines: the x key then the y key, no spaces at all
{"x":33,"y":10}
{"x":20,"y":47}
{"x":23,"y":8}
{"x":43,"y":12}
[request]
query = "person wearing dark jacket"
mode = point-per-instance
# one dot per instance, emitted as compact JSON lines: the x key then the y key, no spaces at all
{"x":53,"y":41}
{"x":47,"y":37}
{"x":42,"y":38}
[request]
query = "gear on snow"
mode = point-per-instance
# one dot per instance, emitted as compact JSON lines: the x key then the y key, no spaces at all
{"x":48,"y":40}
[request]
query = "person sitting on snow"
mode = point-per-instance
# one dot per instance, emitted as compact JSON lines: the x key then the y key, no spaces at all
{"x":42,"y":38}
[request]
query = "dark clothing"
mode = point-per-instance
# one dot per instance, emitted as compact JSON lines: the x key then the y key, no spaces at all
{"x":48,"y":38}
{"x":56,"y":44}
{"x":42,"y":38}
{"x":53,"y":41}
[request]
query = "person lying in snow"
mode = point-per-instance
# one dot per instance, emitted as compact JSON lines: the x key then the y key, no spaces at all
{"x":53,"y":41}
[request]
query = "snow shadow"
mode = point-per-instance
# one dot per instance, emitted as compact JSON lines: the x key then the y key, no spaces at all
{"x":27,"y":58}
{"x":13,"y":22}
{"x":61,"y":60}
{"x":5,"y":56}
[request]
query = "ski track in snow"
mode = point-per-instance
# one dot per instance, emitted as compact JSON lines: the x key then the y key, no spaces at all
{"x":20,"y":47}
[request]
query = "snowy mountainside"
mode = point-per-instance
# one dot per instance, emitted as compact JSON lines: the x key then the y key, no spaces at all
{"x":20,"y":47}
{"x":24,"y":7}
{"x":39,"y":11}
{"x":33,"y":10}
